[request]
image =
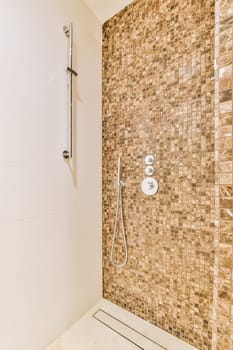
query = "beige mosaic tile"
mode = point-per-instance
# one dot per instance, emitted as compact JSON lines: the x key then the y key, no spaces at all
{"x":160,"y":97}
{"x":222,"y":331}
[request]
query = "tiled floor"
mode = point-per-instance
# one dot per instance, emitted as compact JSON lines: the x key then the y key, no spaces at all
{"x":109,"y":327}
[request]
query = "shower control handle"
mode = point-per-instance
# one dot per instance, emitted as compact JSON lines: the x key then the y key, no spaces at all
{"x":149,"y":186}
{"x":149,"y":160}
{"x":149,"y":170}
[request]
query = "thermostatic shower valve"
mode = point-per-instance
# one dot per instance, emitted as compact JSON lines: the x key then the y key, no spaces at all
{"x":149,"y":186}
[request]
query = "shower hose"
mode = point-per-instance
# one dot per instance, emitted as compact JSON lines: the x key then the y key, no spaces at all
{"x":119,"y":215}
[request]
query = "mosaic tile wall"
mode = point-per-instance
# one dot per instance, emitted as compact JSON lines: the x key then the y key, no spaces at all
{"x":160,"y":97}
{"x":224,"y":174}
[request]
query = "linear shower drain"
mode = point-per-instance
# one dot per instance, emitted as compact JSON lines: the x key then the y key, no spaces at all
{"x":132,"y":335}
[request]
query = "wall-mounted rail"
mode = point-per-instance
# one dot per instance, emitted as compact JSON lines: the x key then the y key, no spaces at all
{"x":69,"y":33}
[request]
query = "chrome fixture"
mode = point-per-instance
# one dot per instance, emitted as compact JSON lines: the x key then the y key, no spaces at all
{"x":119,"y":215}
{"x":149,"y":160}
{"x":149,"y":170}
{"x":69,"y":33}
{"x":149,"y":186}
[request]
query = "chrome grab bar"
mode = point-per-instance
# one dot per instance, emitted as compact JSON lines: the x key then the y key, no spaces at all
{"x":69,"y":33}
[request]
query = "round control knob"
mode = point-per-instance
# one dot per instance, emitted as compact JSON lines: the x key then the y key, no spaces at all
{"x":149,"y":186}
{"x":149,"y":170}
{"x":149,"y":159}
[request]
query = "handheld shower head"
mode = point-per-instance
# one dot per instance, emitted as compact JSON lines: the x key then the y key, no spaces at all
{"x":119,"y":216}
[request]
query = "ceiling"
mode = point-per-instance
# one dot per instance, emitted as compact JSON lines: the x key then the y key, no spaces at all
{"x":105,"y":9}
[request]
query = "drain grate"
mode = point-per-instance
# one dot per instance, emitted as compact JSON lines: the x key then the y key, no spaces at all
{"x":132,"y":335}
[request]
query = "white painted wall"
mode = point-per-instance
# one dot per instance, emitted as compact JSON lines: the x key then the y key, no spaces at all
{"x":105,"y":9}
{"x":50,"y":213}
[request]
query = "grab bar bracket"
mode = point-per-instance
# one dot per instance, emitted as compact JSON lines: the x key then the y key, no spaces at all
{"x":70,"y":70}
